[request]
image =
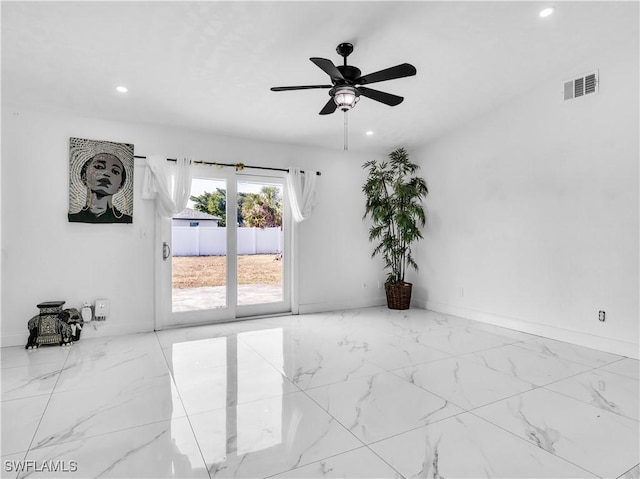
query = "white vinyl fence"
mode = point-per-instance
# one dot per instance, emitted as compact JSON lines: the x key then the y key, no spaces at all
{"x":188,"y":241}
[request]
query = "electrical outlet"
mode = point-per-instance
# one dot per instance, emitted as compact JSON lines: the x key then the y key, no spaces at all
{"x":101,"y":309}
{"x":601,"y":316}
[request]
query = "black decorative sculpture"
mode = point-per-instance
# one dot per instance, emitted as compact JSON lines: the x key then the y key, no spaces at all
{"x":54,"y":326}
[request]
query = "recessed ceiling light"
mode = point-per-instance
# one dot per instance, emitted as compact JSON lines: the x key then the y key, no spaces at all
{"x":546,"y":12}
{"x":369,"y":133}
{"x":122,"y":89}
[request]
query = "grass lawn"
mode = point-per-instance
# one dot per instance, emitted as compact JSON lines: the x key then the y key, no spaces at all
{"x":198,"y":271}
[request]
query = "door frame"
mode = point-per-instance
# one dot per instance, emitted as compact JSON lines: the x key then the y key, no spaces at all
{"x":165,"y":318}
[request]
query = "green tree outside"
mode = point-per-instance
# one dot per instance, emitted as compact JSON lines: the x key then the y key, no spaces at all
{"x":259,"y":210}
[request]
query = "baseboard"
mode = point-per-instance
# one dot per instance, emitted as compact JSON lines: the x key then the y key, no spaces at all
{"x":93,"y":329}
{"x":323,"y":307}
{"x":609,"y":345}
{"x":623,"y":348}
{"x":17,"y":339}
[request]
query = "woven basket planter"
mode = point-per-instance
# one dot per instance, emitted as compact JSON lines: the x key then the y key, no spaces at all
{"x":398,"y":295}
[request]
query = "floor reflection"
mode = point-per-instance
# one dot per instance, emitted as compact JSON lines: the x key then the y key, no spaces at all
{"x":222,"y":373}
{"x":363,"y":393}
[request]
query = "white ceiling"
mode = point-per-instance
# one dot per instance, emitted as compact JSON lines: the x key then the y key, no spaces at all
{"x":209,"y":65}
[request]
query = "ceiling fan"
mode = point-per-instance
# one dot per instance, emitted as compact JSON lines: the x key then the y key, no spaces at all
{"x":346,"y":82}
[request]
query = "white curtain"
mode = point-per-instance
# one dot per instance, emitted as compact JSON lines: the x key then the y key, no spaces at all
{"x":302,"y":193}
{"x":168,"y":183}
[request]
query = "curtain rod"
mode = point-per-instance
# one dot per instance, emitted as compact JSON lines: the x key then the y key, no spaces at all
{"x":237,"y":166}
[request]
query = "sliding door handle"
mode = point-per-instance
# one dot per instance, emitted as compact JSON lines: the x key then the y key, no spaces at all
{"x":166,"y":251}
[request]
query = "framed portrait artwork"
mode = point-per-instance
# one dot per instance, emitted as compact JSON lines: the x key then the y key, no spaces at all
{"x":100,"y":181}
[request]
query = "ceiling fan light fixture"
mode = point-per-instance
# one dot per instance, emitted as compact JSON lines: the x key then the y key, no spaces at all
{"x":345,"y":97}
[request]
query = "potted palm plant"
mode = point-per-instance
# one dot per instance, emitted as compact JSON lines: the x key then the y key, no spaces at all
{"x":394,"y":197}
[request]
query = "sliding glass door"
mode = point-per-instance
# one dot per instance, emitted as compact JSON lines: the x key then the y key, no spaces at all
{"x":199,"y":249}
{"x":227,"y":255}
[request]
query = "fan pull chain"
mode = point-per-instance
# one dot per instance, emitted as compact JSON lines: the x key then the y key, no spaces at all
{"x":346,"y":131}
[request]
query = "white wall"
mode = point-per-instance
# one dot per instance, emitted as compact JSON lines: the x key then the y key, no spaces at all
{"x":533,"y":212}
{"x":338,"y":269}
{"x":44,"y":257}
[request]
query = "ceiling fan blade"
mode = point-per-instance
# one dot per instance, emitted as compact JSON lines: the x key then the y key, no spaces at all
{"x":329,"y":108}
{"x":328,"y":67}
{"x":382,"y":97}
{"x":304,"y":87}
{"x":399,"y":71}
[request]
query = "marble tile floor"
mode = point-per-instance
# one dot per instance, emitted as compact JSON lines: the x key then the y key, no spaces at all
{"x":359,"y":393}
